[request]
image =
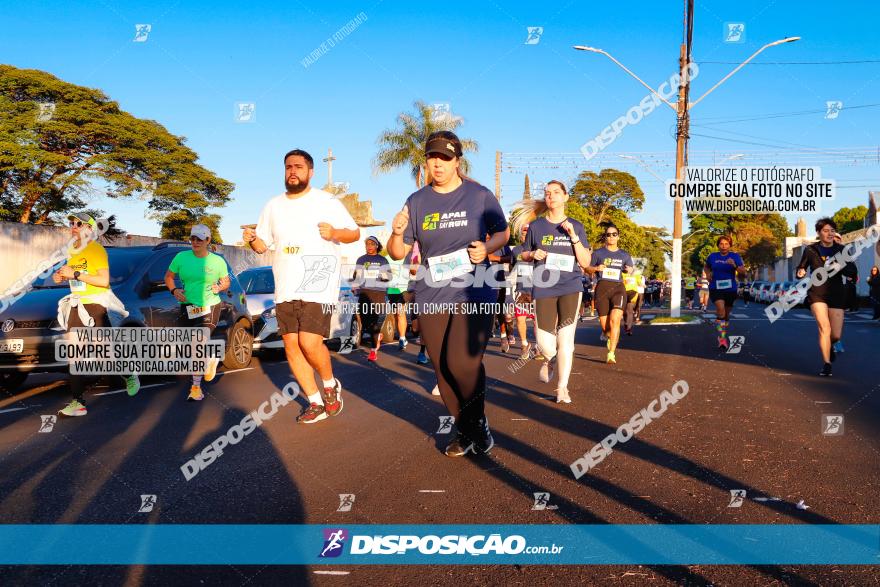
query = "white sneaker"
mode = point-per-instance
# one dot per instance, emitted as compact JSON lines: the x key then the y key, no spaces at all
{"x":436,"y":390}
{"x":562,"y":396}
{"x":546,"y":372}
{"x":211,"y":371}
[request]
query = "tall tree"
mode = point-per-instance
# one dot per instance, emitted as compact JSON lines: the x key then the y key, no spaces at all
{"x":606,"y":191}
{"x":850,"y":219}
{"x":60,"y":143}
{"x":404,"y":146}
{"x":177,"y":225}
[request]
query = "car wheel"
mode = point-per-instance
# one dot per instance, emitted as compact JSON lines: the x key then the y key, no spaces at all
{"x":239,"y":347}
{"x":12,"y":380}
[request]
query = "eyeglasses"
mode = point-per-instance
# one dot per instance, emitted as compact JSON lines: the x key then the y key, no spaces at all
{"x":75,"y":223}
{"x":612,"y":234}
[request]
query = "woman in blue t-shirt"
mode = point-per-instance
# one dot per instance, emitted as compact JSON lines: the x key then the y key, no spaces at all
{"x":371,"y":276}
{"x":610,"y":263}
{"x":556,"y":243}
{"x":449,"y":219}
{"x":721,"y":269}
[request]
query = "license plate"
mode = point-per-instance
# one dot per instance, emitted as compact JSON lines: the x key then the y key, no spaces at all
{"x":13,"y":345}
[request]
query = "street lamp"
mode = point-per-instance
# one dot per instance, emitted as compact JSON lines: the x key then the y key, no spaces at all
{"x":683,"y":113}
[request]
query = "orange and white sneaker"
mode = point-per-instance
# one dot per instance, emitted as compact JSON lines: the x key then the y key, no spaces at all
{"x":195,"y":394}
{"x":211,"y":371}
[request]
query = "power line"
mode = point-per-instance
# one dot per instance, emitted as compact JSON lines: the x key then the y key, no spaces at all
{"x":731,"y":119}
{"x":853,"y":62}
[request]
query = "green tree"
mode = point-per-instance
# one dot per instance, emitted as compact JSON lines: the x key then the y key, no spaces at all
{"x":850,"y":219}
{"x":177,"y":225}
{"x":60,"y":143}
{"x":758,"y":238}
{"x":404,"y":146}
{"x":606,"y":191}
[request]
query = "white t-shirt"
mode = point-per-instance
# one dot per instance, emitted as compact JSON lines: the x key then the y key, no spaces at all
{"x":306,"y":267}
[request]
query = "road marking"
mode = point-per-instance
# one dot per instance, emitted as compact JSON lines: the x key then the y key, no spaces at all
{"x":12,"y":410}
{"x":432,"y":491}
{"x":235,"y":371}
{"x":121,"y":390}
{"x":815,"y":402}
{"x":331,"y":572}
{"x":520,"y":419}
{"x":740,"y":315}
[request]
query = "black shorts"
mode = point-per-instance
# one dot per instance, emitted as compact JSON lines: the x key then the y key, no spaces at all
{"x":631,"y":296}
{"x":395,"y":301}
{"x":209,"y":320}
{"x":298,"y":316}
{"x":834,"y":297}
{"x":726,"y":295}
{"x":610,"y":295}
{"x":689,"y":294}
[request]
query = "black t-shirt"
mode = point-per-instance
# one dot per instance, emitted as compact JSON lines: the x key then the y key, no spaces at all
{"x":444,"y":225}
{"x":561,"y":260}
{"x":370,"y":270}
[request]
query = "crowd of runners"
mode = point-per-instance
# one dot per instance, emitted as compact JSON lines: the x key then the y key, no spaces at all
{"x":448,"y":254}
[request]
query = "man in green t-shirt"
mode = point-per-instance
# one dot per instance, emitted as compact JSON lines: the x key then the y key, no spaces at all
{"x":204,"y":275}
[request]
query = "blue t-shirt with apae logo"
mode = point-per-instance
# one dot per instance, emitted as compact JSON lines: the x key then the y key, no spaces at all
{"x":561,"y":260}
{"x":615,"y":263}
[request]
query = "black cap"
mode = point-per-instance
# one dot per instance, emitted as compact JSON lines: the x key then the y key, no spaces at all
{"x":441,"y":146}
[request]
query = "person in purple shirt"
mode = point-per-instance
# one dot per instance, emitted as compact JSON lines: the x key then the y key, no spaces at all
{"x":449,"y":219}
{"x":721,"y":269}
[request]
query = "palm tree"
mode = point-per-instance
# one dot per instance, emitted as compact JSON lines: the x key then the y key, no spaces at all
{"x":405,"y":146}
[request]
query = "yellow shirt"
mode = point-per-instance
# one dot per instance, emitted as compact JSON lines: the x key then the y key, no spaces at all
{"x":630,"y":281}
{"x":88,"y":261}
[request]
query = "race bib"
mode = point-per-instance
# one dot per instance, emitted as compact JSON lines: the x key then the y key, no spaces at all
{"x":77,"y":286}
{"x":612,"y":274}
{"x":371,"y":274}
{"x":724,"y":284}
{"x":560,"y":261}
{"x":290,"y":250}
{"x":197,"y":311}
{"x":450,"y":265}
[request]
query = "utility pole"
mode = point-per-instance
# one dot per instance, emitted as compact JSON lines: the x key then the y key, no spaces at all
{"x":329,"y":159}
{"x":498,"y":175}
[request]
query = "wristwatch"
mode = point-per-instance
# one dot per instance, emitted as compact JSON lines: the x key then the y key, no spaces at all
{"x":76,"y":275}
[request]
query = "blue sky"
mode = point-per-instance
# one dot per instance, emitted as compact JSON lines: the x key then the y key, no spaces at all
{"x":201,"y":58}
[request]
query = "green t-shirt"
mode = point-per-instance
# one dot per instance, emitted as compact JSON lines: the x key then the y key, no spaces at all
{"x":198,"y":275}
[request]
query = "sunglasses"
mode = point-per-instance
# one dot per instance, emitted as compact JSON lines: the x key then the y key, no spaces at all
{"x":196,"y":239}
{"x":612,"y":234}
{"x":75,"y":223}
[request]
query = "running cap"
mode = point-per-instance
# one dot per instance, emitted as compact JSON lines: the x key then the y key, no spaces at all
{"x":84,"y":218}
{"x":441,"y":146}
{"x":374,"y":240}
{"x":200,"y":231}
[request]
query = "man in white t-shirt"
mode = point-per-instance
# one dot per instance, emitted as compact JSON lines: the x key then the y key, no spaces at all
{"x":305,"y":226}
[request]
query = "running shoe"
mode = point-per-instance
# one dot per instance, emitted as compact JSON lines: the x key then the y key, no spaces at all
{"x":401,"y":343}
{"x":211,"y":371}
{"x":484,"y":442}
{"x":436,"y":390}
{"x":722,"y":343}
{"x":373,"y":355}
{"x":838,"y":346}
{"x":826,"y":370}
{"x":511,"y":340}
{"x":422,"y":359}
{"x":459,"y":446}
{"x":313,"y":413}
{"x":611,"y":359}
{"x":546,"y":372}
{"x":505,"y":344}
{"x":73,"y":409}
{"x":195,"y":394}
{"x":132,"y":384}
{"x":526,"y":351}
{"x":332,"y":397}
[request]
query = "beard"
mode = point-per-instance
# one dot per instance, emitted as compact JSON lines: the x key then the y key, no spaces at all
{"x":296,"y":188}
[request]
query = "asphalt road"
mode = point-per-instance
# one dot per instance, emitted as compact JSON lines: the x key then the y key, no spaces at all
{"x":751,"y":420}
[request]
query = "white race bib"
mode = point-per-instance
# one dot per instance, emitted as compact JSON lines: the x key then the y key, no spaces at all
{"x":450,"y":265}
{"x":560,"y":261}
{"x":77,"y":286}
{"x":724,"y":284}
{"x":371,"y":274}
{"x":196,"y":311}
{"x":612,"y":274}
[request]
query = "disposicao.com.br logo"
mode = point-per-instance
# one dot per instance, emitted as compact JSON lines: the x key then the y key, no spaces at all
{"x":476,"y":545}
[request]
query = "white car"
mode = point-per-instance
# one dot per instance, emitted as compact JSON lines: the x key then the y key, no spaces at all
{"x":259,"y":287}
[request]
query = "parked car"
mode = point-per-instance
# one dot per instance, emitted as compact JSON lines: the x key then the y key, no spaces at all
{"x":762,"y":292}
{"x":790,"y":293}
{"x":137,"y":277}
{"x":259,"y":285}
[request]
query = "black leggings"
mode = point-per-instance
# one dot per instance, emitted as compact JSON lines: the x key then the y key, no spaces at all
{"x":369,"y":301}
{"x":456,"y":343}
{"x":78,"y":383}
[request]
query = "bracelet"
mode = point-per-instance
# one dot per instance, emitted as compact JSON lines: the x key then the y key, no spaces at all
{"x":174,"y":290}
{"x":576,"y":242}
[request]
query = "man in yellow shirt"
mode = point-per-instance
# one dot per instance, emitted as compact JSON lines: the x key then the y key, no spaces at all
{"x":88,"y":273}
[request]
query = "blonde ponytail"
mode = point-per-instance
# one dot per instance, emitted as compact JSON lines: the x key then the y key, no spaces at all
{"x":524,"y":212}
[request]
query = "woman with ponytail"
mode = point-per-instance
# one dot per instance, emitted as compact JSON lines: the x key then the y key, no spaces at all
{"x":557,"y":246}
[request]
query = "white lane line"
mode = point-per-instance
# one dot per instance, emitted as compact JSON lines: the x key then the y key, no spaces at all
{"x":520,"y":419}
{"x":12,"y":410}
{"x":235,"y":371}
{"x":121,"y":390}
{"x":331,"y":572}
{"x":815,"y":402}
{"x":432,"y":491}
{"x":740,"y":315}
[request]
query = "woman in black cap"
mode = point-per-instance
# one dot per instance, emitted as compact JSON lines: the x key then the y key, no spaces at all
{"x":371,"y":276}
{"x":450,"y":218}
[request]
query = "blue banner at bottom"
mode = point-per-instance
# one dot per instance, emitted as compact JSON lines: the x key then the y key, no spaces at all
{"x":171,"y":544}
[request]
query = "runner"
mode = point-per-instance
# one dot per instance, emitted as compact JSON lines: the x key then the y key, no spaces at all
{"x":721,"y":269}
{"x":610,"y":263}
{"x":305,"y":226}
{"x":422,"y":358}
{"x":88,"y":272}
{"x":874,"y":291}
{"x":630,"y":283}
{"x":556,"y":243}
{"x":746,"y":291}
{"x":203,"y":275}
{"x":523,"y":308}
{"x":689,"y":283}
{"x":450,"y":218}
{"x":372,"y":274}
{"x":828,"y":299}
{"x":397,"y":288}
{"x":703,"y":288}
{"x":500,"y":261}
